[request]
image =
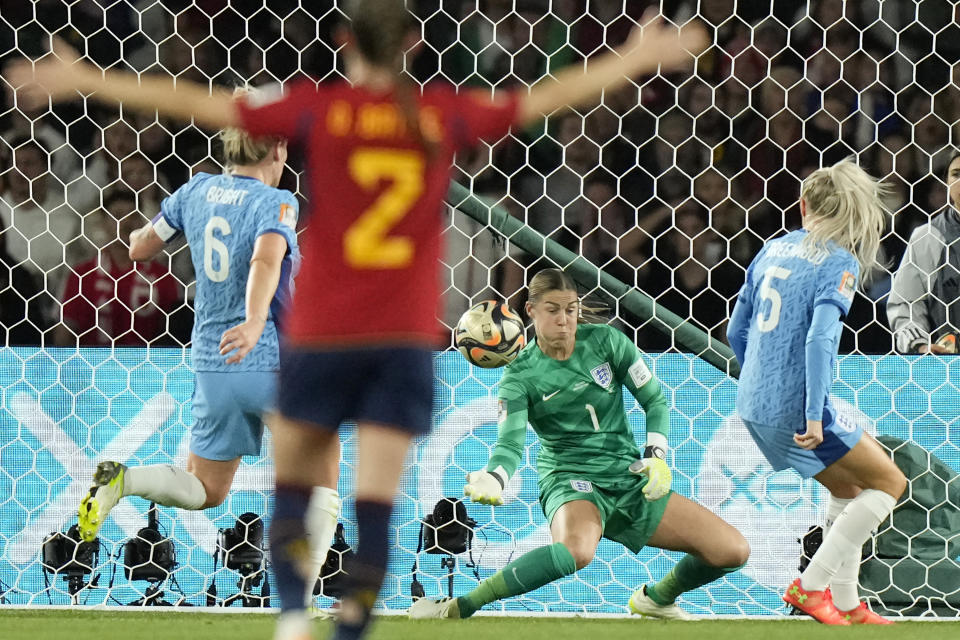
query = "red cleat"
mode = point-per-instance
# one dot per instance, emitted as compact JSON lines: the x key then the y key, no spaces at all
{"x":816,"y":604}
{"x":863,"y":615}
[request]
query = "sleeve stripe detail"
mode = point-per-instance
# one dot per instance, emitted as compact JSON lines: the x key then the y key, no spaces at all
{"x":164,"y":229}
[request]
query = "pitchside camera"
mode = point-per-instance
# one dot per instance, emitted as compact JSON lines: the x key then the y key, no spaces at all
{"x":67,"y":556}
{"x":149,"y":556}
{"x":240,"y":548}
{"x":447,"y":531}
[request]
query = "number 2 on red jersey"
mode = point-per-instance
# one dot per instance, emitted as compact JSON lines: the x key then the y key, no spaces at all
{"x":366,"y":243}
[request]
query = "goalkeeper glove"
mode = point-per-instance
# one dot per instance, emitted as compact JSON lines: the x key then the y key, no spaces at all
{"x":657,"y":471}
{"x":484,"y":487}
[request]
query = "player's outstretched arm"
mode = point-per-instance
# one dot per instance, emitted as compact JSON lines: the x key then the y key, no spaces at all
{"x":649,"y":46}
{"x":486,"y":486}
{"x":61,"y":74}
{"x":265,"y":266}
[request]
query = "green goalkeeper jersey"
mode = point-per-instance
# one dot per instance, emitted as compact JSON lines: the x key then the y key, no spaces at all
{"x":576,"y":406}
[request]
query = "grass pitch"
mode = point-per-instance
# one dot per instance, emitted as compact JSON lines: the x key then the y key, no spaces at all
{"x":56,"y":624}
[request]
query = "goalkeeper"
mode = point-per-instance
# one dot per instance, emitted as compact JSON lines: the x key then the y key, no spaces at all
{"x":594,"y":481}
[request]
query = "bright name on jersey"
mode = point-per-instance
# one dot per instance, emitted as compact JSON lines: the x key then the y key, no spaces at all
{"x":219,"y":195}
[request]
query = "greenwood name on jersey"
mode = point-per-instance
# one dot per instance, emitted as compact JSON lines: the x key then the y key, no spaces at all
{"x":784,"y":283}
{"x":576,"y":406}
{"x":222,"y":216}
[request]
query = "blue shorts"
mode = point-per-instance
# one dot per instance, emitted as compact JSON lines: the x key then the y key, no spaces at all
{"x":228,"y":410}
{"x":776,"y":443}
{"x":392,"y":386}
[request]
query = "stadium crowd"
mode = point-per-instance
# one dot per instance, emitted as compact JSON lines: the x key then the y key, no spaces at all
{"x":671,"y":186}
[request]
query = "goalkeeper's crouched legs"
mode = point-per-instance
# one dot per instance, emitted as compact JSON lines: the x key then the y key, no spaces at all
{"x":530,"y":571}
{"x":658,"y":600}
{"x":714,"y":548}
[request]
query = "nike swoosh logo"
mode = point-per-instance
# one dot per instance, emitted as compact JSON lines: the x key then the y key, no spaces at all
{"x":547,"y":397}
{"x":517,"y":578}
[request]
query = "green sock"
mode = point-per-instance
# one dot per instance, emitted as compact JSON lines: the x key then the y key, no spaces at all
{"x":530,"y":571}
{"x":688,"y":574}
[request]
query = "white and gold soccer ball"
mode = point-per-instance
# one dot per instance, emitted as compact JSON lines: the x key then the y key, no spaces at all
{"x":489,"y":334}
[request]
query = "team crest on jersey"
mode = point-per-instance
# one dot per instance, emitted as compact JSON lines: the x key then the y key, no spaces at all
{"x":288,"y":216}
{"x":583,"y":486}
{"x":848,"y":285}
{"x":501,"y":411}
{"x":602,"y":375}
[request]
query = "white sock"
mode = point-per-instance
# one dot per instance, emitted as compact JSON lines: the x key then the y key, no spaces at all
{"x":834,"y":508}
{"x":321,"y":522}
{"x":166,"y":485}
{"x":844,"y":584}
{"x":846,"y":537}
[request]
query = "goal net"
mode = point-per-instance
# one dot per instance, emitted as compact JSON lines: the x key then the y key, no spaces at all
{"x":668,"y":186}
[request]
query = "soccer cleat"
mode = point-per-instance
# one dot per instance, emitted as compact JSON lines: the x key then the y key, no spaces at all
{"x":642,"y":605}
{"x":816,"y":604}
{"x":863,"y":615}
{"x":103,"y":496}
{"x":424,"y":608}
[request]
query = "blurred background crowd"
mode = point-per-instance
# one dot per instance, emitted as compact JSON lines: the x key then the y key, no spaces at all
{"x":671,"y":184}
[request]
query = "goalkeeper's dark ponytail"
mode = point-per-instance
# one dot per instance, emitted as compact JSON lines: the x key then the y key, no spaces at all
{"x":380,"y":28}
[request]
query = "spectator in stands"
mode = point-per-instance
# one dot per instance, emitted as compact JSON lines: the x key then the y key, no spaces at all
{"x":598,"y":220}
{"x":109,"y":146}
{"x":137,"y":173}
{"x":42,"y":229}
{"x":42,"y":125}
{"x":692,"y":249}
{"x":924,"y":304}
{"x":22,"y":321}
{"x":110,"y":301}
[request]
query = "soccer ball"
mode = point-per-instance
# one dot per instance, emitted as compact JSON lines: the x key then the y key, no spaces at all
{"x":489,"y":334}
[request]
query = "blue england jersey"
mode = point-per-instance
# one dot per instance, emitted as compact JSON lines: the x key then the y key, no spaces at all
{"x":222,"y":216}
{"x":784,"y":283}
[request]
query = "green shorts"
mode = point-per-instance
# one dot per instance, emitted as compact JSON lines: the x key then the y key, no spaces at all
{"x":627,"y":516}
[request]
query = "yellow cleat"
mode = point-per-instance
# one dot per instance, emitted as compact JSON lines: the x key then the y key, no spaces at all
{"x":103,"y":496}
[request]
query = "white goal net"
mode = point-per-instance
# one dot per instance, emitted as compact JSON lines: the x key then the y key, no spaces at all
{"x":670,"y":186}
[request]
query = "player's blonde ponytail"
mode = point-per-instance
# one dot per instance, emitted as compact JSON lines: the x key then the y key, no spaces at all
{"x":845,"y":207}
{"x":239,"y":148}
{"x":547,"y":280}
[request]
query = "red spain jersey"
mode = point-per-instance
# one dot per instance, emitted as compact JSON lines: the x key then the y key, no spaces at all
{"x":372,"y":245}
{"x":105,"y":304}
